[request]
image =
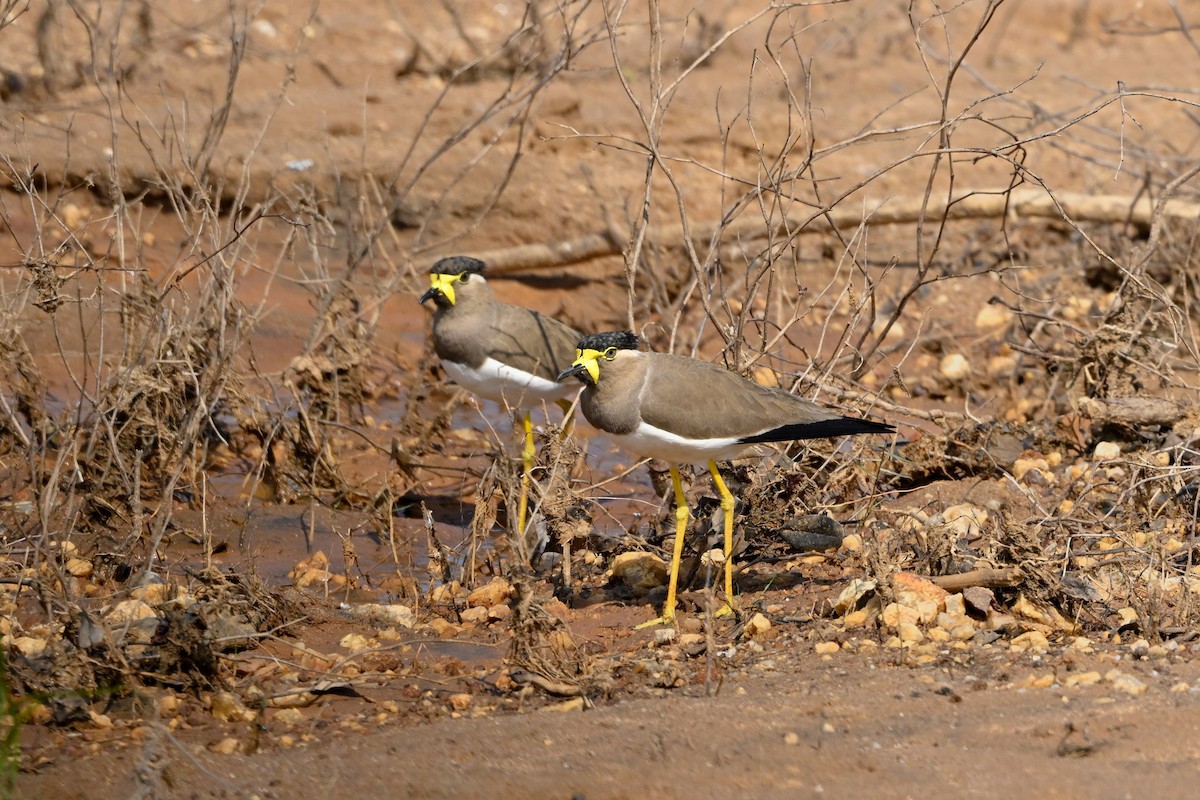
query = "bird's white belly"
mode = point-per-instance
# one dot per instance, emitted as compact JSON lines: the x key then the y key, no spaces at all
{"x":508,"y":385}
{"x":651,"y":442}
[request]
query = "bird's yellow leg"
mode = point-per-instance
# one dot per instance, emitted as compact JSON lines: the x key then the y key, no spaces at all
{"x":681,"y":518}
{"x":727,"y":505}
{"x":527,"y":462}
{"x":568,"y":419}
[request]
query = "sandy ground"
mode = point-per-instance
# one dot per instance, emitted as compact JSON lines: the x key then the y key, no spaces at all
{"x":368,"y":103}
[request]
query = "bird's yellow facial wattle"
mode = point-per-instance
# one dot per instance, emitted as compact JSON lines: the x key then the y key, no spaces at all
{"x":444,"y":285}
{"x":590,"y":361}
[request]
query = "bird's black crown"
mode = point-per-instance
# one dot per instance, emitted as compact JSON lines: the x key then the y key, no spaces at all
{"x":622,"y":340}
{"x":456,"y":265}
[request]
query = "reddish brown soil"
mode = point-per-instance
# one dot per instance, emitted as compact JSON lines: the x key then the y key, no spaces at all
{"x":773,"y":719}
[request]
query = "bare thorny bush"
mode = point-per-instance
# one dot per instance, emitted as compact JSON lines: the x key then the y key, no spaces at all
{"x":163,"y":382}
{"x":1116,"y":321}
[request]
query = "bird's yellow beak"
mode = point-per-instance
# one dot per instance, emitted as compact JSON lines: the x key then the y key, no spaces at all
{"x":442,"y":284}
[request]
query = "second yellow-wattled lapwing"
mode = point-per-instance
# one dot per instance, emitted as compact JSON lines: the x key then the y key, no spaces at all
{"x":502,"y":352}
{"x":686,"y":411}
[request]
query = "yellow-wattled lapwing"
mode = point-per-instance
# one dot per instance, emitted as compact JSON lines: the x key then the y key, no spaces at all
{"x":686,"y":411}
{"x":502,"y":352}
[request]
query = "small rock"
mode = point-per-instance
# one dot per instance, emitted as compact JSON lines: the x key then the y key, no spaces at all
{"x":443,"y":629}
{"x":1082,"y":679}
{"x":689,"y":640}
{"x":978,"y":599}
{"x":1023,"y":466}
{"x":756,"y":626}
{"x":29,"y":645}
{"x":826,"y":648}
{"x":855,"y":619}
{"x":1140,"y":648}
{"x":399,"y":615}
{"x":574,"y":704}
{"x":852,"y":543}
{"x":908,"y":632}
{"x":791,"y":739}
{"x":356,"y":643}
{"x":955,"y":605}
{"x":992,"y":315}
{"x":1106,"y":451}
{"x":499,"y":613}
{"x":894,"y":615}
{"x":288,"y":716}
{"x":1031,"y":642}
{"x":460,"y":701}
{"x":78,"y":567}
{"x":965,"y":519}
{"x":639,"y":570}
{"x":1081,"y":644}
{"x":475,"y":614}
{"x":664,"y":635}
{"x":225,"y":747}
{"x":910,"y":588}
{"x":1124,"y":682}
{"x":446,"y":592}
{"x":129,"y":611}
{"x":1128,"y":617}
{"x":955,"y":367}
{"x":228,"y":708}
{"x":491,"y":594}
{"x":849,"y":597}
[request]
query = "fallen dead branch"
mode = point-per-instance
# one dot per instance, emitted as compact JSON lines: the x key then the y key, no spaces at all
{"x":1028,"y":203}
{"x":1133,"y":410}
{"x":985,"y":577}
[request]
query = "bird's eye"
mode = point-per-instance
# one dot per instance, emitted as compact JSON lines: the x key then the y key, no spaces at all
{"x":464,"y":277}
{"x":610,"y":354}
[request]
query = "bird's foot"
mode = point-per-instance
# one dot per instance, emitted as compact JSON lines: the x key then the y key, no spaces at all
{"x":654,"y":623}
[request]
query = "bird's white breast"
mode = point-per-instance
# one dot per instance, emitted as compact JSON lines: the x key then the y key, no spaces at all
{"x":651,"y":442}
{"x":517,"y":388}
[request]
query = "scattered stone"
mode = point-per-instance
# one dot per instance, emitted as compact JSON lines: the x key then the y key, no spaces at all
{"x":460,"y":701}
{"x":29,"y":645}
{"x":1124,"y":682}
{"x":640,"y":570}
{"x":852,"y":543}
{"x":1031,"y":642}
{"x":991,"y":316}
{"x":955,"y":605}
{"x":1082,"y":679}
{"x":955,"y":367}
{"x":1106,"y":451}
{"x":129,"y":611}
{"x":443,"y":629}
{"x":475,"y":615}
{"x":288,"y":716}
{"x":491,"y":594}
{"x":1024,"y":466}
{"x":756,"y":626}
{"x":826,"y":648}
{"x":791,"y":739}
{"x":356,"y":643}
{"x":574,"y":704}
{"x":78,"y":567}
{"x":911,"y":588}
{"x":848,"y":599}
{"x":908,"y":632}
{"x":446,"y":592}
{"x":225,"y":747}
{"x":1140,"y":648}
{"x":894,"y":615}
{"x":499,"y":613}
{"x":1181,"y":687}
{"x":664,"y":635}
{"x":689,"y":640}
{"x":978,"y":599}
{"x":965,"y":519}
{"x":855,"y":619}
{"x":228,"y":708}
{"x":1128,"y":617}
